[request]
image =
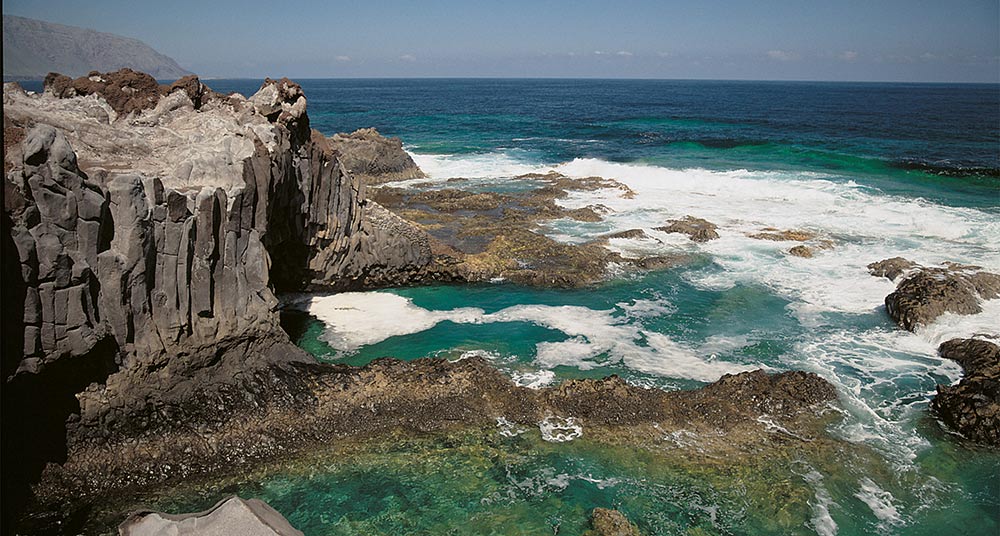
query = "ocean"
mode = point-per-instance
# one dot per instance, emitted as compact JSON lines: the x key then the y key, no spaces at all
{"x":880,"y":170}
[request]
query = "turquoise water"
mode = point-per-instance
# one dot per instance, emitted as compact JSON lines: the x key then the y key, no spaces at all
{"x":872,"y":170}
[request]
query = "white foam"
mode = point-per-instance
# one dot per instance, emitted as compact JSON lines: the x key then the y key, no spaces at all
{"x":472,"y":166}
{"x":356,"y":319}
{"x":881,"y":504}
{"x":821,"y":521}
{"x":533,"y":380}
{"x":559,"y":429}
{"x":865,"y":226}
{"x":508,"y":428}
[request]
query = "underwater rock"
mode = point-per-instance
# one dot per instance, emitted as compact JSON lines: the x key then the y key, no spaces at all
{"x":606,"y":522}
{"x":972,"y":407}
{"x":234,"y":515}
{"x":697,"y":229}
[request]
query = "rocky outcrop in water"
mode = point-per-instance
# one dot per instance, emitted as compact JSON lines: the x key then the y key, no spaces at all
{"x":696,"y":229}
{"x":230,"y":516}
{"x":144,"y":246}
{"x":925,"y":293}
{"x":374,"y":158}
{"x":301,"y":406}
{"x":972,"y":407}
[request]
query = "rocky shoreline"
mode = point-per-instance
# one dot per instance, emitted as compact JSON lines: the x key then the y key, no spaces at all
{"x":147,"y":230}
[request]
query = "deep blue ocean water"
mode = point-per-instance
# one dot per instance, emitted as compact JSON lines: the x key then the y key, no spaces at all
{"x":873,"y":170}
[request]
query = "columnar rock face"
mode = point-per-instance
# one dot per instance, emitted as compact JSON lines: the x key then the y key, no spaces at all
{"x":146,"y":260}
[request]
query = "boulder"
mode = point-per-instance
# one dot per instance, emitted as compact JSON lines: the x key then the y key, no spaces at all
{"x":972,"y":407}
{"x":375,"y":158}
{"x":926,"y":293}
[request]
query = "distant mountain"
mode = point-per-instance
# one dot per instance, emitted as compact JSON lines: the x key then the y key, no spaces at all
{"x":33,"y":48}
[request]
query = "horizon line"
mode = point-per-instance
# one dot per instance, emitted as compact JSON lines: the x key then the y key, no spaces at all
{"x":17,"y":78}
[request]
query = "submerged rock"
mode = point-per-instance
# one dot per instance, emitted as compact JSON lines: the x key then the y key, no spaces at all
{"x":801,"y":251}
{"x":926,"y":293}
{"x":234,"y":516}
{"x":972,"y":407}
{"x":606,"y":522}
{"x":697,"y":229}
{"x":787,"y":235}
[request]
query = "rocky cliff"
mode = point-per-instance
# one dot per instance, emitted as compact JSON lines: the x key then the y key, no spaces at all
{"x":145,"y":242}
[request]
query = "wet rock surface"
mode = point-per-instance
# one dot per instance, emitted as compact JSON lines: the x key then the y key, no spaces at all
{"x":696,"y":229}
{"x":490,"y":236}
{"x":925,"y":293}
{"x":972,"y":407}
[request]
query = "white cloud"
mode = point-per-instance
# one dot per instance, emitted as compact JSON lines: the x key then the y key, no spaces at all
{"x":343,"y":58}
{"x":624,"y":53}
{"x":408,"y":57}
{"x":848,"y":55}
{"x":598,"y":53}
{"x":782,"y":55}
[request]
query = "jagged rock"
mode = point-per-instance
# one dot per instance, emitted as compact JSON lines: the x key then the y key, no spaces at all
{"x":801,"y":251}
{"x":234,"y":515}
{"x":375,"y":158}
{"x":891,"y":268}
{"x":125,"y":90}
{"x":629,"y":233}
{"x":788,"y":235}
{"x":928,"y":292}
{"x":972,"y":407}
{"x":606,"y":522}
{"x":697,"y":229}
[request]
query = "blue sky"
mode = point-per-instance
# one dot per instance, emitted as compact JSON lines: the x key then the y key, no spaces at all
{"x":881,"y":40}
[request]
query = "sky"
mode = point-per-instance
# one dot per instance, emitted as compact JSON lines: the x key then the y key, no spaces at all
{"x":850,"y":40}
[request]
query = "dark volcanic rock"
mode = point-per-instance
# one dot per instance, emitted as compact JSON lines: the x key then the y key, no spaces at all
{"x":697,"y":229}
{"x":125,"y":90}
{"x":972,"y":407}
{"x":927,"y":293}
{"x":607,"y":522}
{"x":375,"y":158}
{"x":230,"y":516}
{"x":891,"y":268}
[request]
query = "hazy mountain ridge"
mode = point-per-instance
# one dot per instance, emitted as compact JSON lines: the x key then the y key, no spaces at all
{"x":33,"y":48}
